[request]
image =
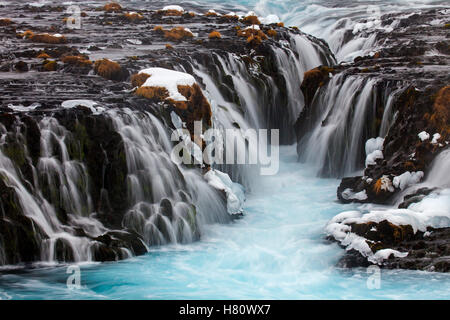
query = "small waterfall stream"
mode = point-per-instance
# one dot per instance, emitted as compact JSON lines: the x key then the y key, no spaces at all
{"x":341,"y":118}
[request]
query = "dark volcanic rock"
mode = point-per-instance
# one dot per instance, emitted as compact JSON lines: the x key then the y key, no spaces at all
{"x":421,"y":103}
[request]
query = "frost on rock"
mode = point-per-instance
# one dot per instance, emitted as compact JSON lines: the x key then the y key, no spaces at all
{"x":424,"y":135}
{"x":168,"y":79}
{"x":406,"y":179}
{"x":234,"y":191}
{"x":348,"y":194}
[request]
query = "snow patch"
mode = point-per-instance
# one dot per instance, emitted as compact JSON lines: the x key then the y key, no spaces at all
{"x":234,"y":191}
{"x":406,"y":179}
{"x":348,"y":194}
{"x":424,"y":135}
{"x":173,"y":7}
{"x":69,"y":104}
{"x":168,"y":79}
{"x":21,"y":108}
{"x":436,"y":137}
{"x":374,"y":149}
{"x":372,"y":157}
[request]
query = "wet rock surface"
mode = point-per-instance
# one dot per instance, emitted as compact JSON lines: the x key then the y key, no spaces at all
{"x":412,"y":60}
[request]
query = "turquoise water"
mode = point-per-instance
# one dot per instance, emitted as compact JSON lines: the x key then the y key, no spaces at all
{"x":277,"y":251}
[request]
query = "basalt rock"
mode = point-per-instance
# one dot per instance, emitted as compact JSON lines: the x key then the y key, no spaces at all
{"x":420,"y":103}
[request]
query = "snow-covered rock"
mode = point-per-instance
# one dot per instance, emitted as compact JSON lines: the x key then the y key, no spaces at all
{"x":424,"y":135}
{"x":234,"y":191}
{"x":406,"y":179}
{"x":168,"y":79}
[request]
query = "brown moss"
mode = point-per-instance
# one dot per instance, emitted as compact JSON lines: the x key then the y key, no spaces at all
{"x":139,"y":79}
{"x":83,"y":14}
{"x":169,"y":47}
{"x":440,"y":118}
{"x":190,"y":14}
{"x":112,"y":7}
{"x":177,"y":34}
{"x":295,"y":28}
{"x":47,"y":38}
{"x":108,"y":69}
{"x":27,"y":34}
{"x":447,"y":26}
{"x":272,"y":33}
{"x":410,"y":166}
{"x":377,"y":186}
{"x":70,"y":20}
{"x":254,"y":40}
{"x":80,"y":61}
{"x":280,"y":24}
{"x":170,"y":13}
{"x":211,"y":14}
{"x":158,"y":29}
{"x":157,"y":93}
{"x":215,"y":35}
{"x":133,"y":16}
{"x":251,"y":20}
{"x":5,"y":22}
{"x":43,"y":55}
{"x":50,"y":65}
{"x":251,"y":32}
{"x":230,"y":17}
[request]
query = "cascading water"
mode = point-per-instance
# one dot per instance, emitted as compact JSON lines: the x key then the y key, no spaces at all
{"x":160,"y":192}
{"x":246,"y":98}
{"x":167,"y":204}
{"x":341,"y":118}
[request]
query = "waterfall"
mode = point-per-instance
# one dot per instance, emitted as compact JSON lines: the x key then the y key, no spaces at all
{"x":75,"y":209}
{"x":341,"y":118}
{"x":243,"y":96}
{"x":435,"y":178}
{"x":167,"y":203}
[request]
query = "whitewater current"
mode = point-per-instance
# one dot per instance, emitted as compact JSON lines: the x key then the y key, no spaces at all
{"x":278,"y":249}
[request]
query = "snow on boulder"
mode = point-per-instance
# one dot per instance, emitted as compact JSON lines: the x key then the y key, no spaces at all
{"x":374,"y":144}
{"x":436,"y":138}
{"x":176,"y":88}
{"x":69,"y":104}
{"x":234,"y":191}
{"x":406,"y":179}
{"x":348,"y":194}
{"x":424,"y":135}
{"x":173,"y":7}
{"x":161,"y":79}
{"x":374,"y":149}
{"x":385,"y":254}
{"x":371,"y":158}
{"x":172,"y":10}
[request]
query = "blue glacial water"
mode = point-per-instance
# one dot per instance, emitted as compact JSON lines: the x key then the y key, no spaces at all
{"x":277,"y":251}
